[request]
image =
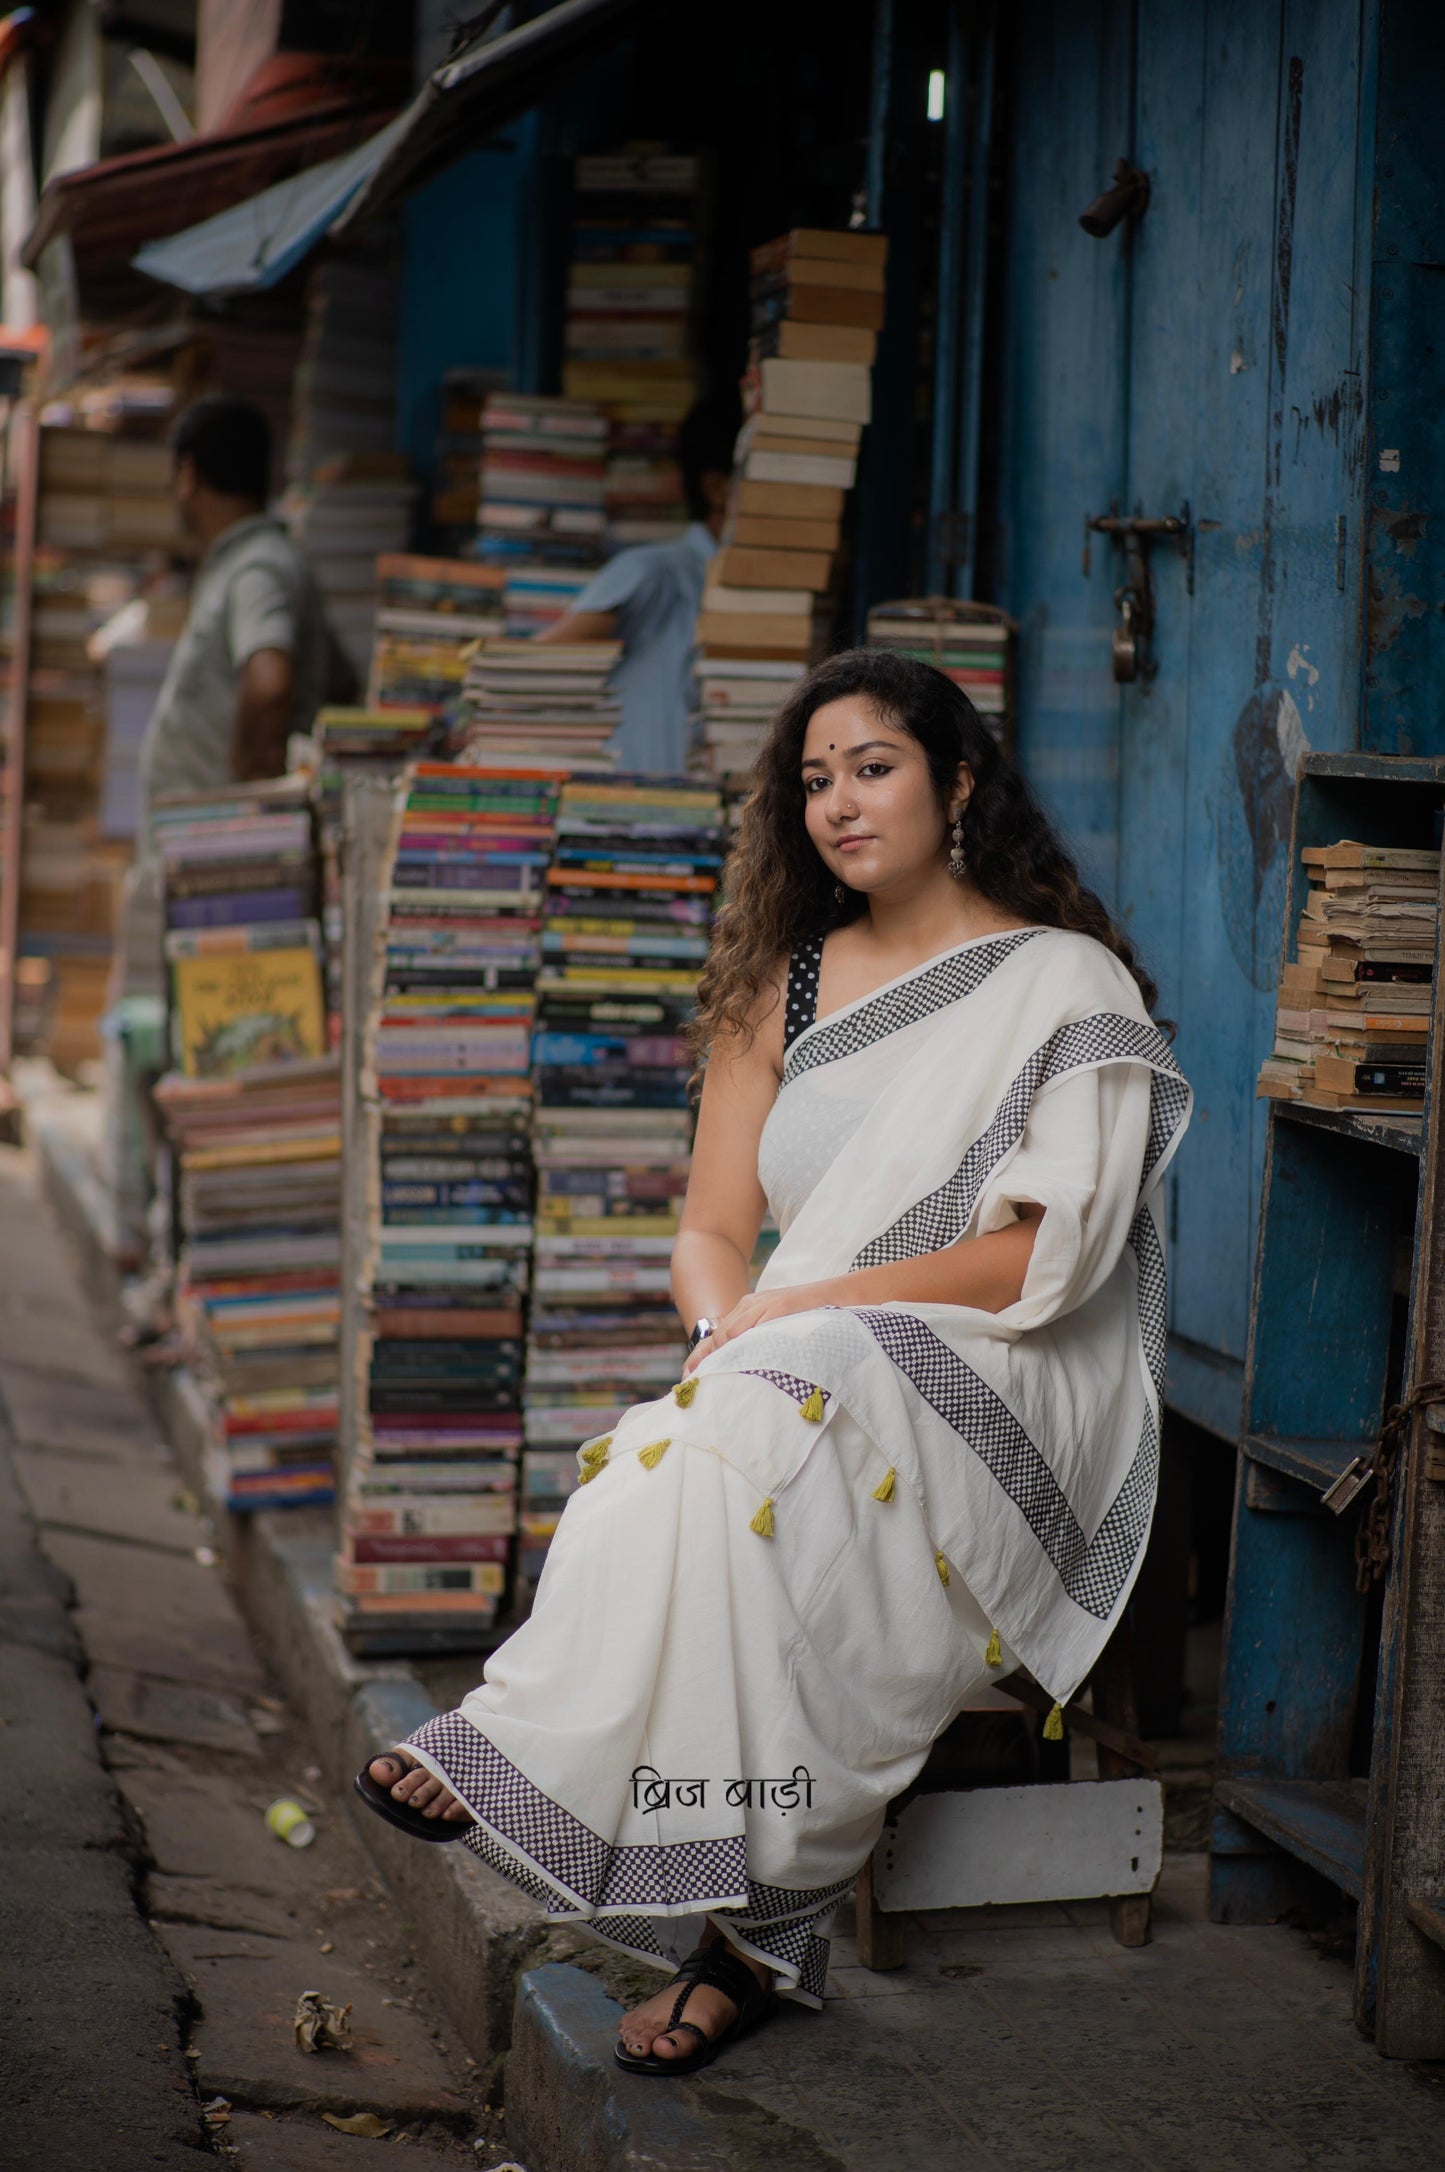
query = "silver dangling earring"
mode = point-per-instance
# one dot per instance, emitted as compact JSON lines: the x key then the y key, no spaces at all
{"x":957,"y":861}
{"x":839,"y":893}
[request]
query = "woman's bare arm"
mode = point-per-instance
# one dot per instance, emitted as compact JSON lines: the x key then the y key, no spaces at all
{"x":725,"y":1204}
{"x":984,"y":1272}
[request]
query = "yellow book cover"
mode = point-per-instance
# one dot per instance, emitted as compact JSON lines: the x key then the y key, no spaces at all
{"x":248,"y":1007}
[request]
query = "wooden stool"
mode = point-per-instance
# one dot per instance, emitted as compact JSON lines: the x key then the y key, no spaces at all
{"x":949,"y":1847}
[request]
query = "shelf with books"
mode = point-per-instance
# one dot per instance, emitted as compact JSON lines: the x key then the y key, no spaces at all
{"x":1335,"y":1626}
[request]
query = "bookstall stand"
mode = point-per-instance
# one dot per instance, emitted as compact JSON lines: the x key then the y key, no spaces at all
{"x":1331,"y":1774}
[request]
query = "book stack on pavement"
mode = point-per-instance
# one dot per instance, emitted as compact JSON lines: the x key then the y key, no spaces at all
{"x":1352,"y":1027}
{"x":543,"y":489}
{"x":522,"y":700}
{"x":967,"y":642}
{"x":808,"y":398}
{"x":258,"y":1158}
{"x":432,"y":1503}
{"x":429,"y":613}
{"x":252,"y":1111}
{"x":242,"y":940}
{"x":629,"y":340}
{"x":629,"y":901}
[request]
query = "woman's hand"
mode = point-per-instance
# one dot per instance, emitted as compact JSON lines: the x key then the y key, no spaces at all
{"x":753,"y":1311}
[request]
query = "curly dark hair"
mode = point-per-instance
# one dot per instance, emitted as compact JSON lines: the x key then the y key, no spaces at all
{"x":779,"y":891}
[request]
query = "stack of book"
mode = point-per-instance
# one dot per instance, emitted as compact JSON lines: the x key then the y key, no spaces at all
{"x":395,"y":734}
{"x":105,"y":522}
{"x":429,"y":612}
{"x":432,"y":1505}
{"x":740,"y":696}
{"x":349,"y":511}
{"x":349,"y":496}
{"x":521,"y":700}
{"x":967,"y":642}
{"x":629,"y":900}
{"x":1353,"y":1022}
{"x":629,"y":341}
{"x":240,"y":882}
{"x":253,"y":1115}
{"x":456,"y":481}
{"x":135,"y":652}
{"x":817,"y":304}
{"x":544,"y":473}
{"x":258,"y":1161}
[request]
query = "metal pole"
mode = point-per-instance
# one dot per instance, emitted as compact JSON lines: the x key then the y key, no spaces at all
{"x":965,"y":561}
{"x":943,"y":457}
{"x":878,"y":109}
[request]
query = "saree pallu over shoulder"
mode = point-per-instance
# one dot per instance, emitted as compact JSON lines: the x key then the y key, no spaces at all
{"x":1021,"y":1067}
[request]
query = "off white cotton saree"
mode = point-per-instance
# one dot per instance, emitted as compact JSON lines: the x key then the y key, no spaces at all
{"x":780,"y":1582}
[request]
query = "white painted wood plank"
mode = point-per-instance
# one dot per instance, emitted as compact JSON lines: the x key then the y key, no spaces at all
{"x":990,"y":1846}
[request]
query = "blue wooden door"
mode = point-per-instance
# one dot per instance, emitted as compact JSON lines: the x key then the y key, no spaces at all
{"x":1209,"y":360}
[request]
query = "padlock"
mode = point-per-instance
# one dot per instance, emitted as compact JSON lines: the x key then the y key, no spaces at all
{"x":1126,"y":639}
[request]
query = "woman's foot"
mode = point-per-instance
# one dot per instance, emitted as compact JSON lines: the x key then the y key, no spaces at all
{"x":644,"y":2028}
{"x":411,"y":1783}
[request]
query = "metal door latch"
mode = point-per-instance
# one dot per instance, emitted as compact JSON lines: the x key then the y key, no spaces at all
{"x":1350,"y":1484}
{"x":1134,"y":600}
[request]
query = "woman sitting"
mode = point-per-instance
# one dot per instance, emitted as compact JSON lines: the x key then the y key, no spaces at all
{"x":921,"y":1453}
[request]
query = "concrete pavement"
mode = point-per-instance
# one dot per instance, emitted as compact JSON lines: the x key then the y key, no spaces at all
{"x":154,"y":1935}
{"x":1019,"y":2040}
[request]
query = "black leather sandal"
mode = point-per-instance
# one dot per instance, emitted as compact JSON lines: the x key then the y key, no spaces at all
{"x":378,"y":1797}
{"x":718,"y":1966}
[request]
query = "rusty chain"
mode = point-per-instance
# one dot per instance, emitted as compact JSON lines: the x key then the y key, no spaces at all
{"x":1372,"y":1535}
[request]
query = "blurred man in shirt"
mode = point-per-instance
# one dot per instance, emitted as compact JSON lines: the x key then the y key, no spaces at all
{"x":648,"y":597}
{"x":250,"y":665}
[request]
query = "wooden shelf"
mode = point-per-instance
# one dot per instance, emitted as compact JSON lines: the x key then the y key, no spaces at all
{"x":1401,"y":1133}
{"x":1322,"y":1822}
{"x":1316,"y":1463}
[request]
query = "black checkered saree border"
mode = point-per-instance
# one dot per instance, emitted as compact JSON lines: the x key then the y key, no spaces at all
{"x":572,"y":1870}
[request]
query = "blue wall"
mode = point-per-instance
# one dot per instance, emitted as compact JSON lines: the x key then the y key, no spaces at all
{"x":458,"y":289}
{"x":1211,"y":357}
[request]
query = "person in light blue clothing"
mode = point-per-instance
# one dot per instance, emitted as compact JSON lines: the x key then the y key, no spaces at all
{"x":649,"y":597}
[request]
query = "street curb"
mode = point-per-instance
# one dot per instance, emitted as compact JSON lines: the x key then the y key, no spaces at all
{"x":568,"y":2107}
